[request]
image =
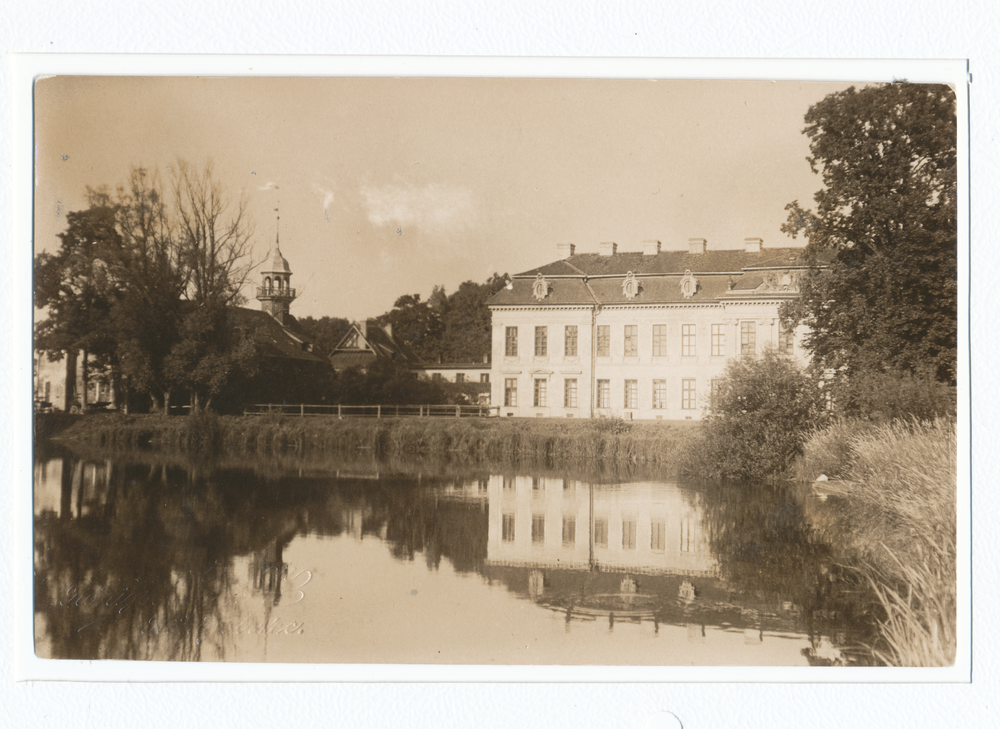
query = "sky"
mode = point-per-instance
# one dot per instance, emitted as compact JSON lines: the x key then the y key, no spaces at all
{"x":391,"y":186}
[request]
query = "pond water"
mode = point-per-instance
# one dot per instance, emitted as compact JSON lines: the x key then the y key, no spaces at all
{"x":150,"y":558}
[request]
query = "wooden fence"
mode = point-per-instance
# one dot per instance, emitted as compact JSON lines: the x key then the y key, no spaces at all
{"x":374,"y":411}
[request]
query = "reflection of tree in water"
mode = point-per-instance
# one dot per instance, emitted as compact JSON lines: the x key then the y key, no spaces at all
{"x":142,"y":571}
{"x":414,"y":521}
{"x":769,"y":554}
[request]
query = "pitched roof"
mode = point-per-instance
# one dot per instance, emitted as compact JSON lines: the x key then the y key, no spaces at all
{"x":711,"y":261}
{"x":591,"y":277}
{"x":349,"y":352}
{"x":286,"y":341}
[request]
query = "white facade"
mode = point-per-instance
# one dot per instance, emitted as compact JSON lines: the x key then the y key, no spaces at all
{"x":652,"y":355}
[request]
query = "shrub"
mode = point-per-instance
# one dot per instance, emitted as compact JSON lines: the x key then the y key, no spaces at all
{"x":887,"y":396}
{"x":759,"y":418}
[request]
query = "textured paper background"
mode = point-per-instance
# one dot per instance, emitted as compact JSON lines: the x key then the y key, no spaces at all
{"x":564,"y":29}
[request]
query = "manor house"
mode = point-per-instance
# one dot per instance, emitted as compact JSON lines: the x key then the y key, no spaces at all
{"x":637,"y":335}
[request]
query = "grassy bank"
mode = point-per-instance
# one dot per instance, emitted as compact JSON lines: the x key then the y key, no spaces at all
{"x":493,"y":439}
{"x":899,"y":480}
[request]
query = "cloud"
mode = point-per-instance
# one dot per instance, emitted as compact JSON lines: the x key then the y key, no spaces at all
{"x":432,"y":206}
{"x":325,"y":194}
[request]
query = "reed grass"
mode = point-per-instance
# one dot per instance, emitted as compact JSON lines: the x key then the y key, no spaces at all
{"x":485,"y":439}
{"x":900,"y":483}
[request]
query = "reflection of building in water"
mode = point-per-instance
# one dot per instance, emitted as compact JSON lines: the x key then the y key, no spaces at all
{"x":268,"y":568}
{"x":555,"y":522}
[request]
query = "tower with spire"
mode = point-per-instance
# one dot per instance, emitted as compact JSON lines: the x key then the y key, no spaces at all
{"x":275,"y":292}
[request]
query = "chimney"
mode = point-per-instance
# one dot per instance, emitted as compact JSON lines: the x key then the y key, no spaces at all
{"x":754,"y":244}
{"x":696,"y":246}
{"x":388,"y":329}
{"x":650,"y":247}
{"x":608,"y":249}
{"x":363,"y":328}
{"x":565,"y":250}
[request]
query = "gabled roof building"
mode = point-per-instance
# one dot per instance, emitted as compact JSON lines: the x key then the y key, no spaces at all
{"x":638,"y":335}
{"x":365,"y":342}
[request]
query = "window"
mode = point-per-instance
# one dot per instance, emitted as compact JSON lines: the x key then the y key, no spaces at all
{"x":628,"y":534}
{"x":659,"y":394}
{"x":459,"y":377}
{"x":687,"y":340}
{"x":510,"y":345}
{"x":569,"y":531}
{"x":510,"y":392}
{"x":658,"y":535}
{"x":718,"y":340}
{"x":537,"y":486}
{"x":631,"y":393}
{"x":541,"y":393}
{"x":786,"y":341}
{"x":687,"y":394}
{"x":659,"y":340}
{"x":686,"y":539}
{"x":631,"y":340}
{"x":508,"y":482}
{"x":508,"y":527}
{"x":603,"y":340}
{"x":541,"y":341}
{"x":537,"y":528}
{"x":436,"y":376}
{"x":485,"y":378}
{"x":603,"y":393}
{"x":571,"y":341}
{"x":601,"y":532}
{"x":569,"y":394}
{"x":748,"y":337}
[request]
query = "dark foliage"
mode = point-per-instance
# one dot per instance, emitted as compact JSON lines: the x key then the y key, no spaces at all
{"x":888,"y":213}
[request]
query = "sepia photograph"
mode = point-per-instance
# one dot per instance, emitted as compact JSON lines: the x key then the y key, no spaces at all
{"x":496,"y":371}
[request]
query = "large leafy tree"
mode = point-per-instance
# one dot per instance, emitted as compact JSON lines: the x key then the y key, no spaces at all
{"x":73,"y":285}
{"x":886,"y":224}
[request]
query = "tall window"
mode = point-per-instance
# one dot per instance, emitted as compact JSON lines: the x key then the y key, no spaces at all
{"x":541,"y":341}
{"x":603,"y":393}
{"x":628,"y":534}
{"x":631,"y":393}
{"x":718,"y":340}
{"x":571,"y":341}
{"x":569,"y":530}
{"x":436,"y":376}
{"x":687,"y":340}
{"x":786,"y":341}
{"x":459,"y":377}
{"x":508,"y":527}
{"x":510,"y":392}
{"x":631,"y":340}
{"x":658,"y":535}
{"x":510,"y":344}
{"x":485,"y":377}
{"x":748,"y":337}
{"x":541,"y":393}
{"x":659,"y":340}
{"x":659,"y":394}
{"x":537,"y":528}
{"x":603,"y":340}
{"x":687,"y":538}
{"x":687,"y":394}
{"x":569,"y":394}
{"x":601,"y":532}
